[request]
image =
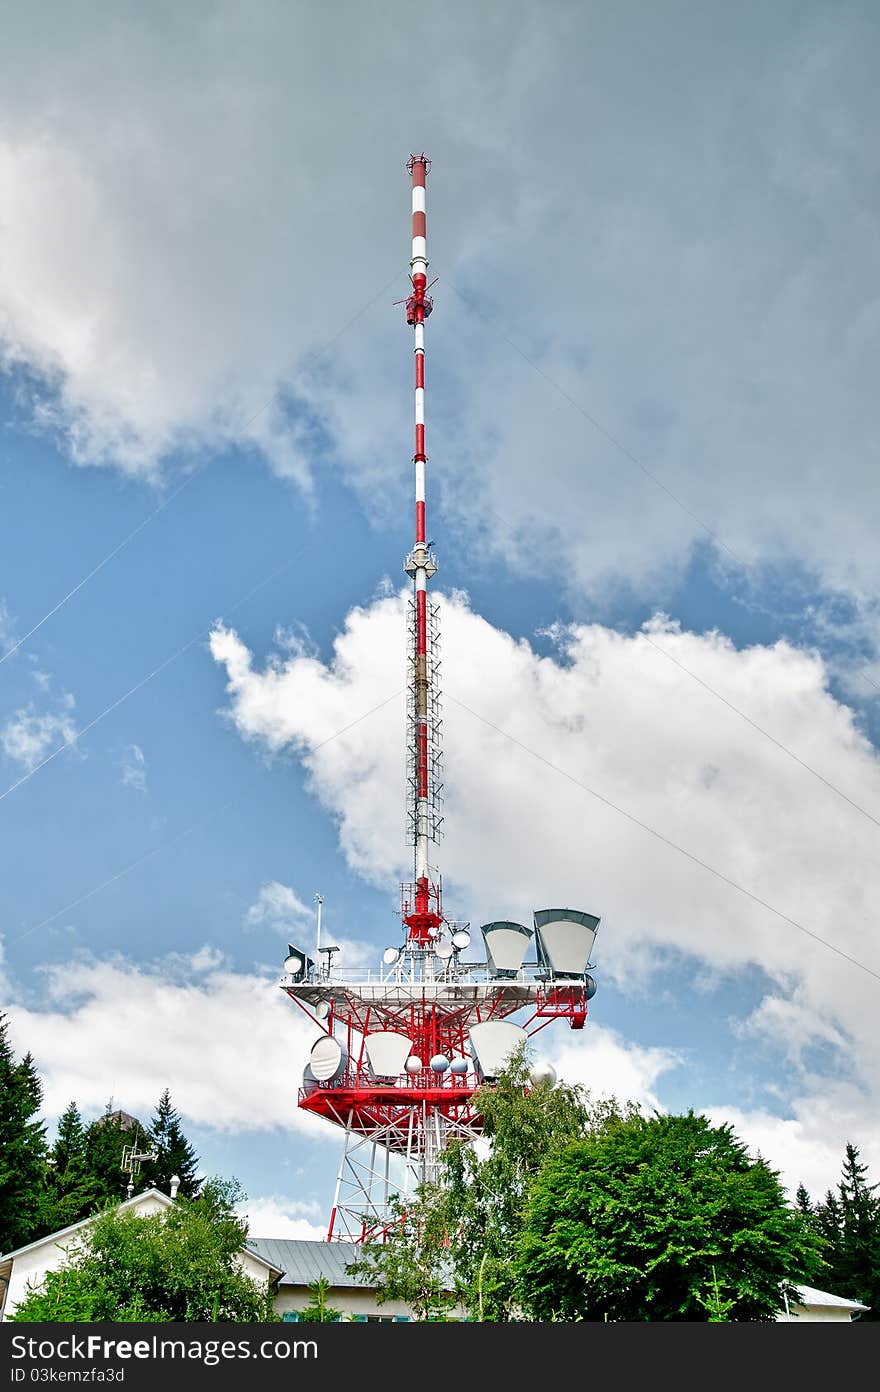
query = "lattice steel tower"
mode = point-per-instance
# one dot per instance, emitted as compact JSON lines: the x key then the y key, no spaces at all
{"x":402,"y":1050}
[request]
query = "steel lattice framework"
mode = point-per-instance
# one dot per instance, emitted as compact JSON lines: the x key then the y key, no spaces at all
{"x":402,"y":1050}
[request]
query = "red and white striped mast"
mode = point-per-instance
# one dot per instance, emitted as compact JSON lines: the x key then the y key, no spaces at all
{"x":400,"y":1053}
{"x":422,"y":912}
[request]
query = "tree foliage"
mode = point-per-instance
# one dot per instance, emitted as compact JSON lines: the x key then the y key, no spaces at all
{"x":662,"y":1217}
{"x":85,"y":1171}
{"x":106,"y":1138}
{"x":572,"y":1209}
{"x":43,"y":1188}
{"x":175,"y":1155}
{"x":454,"y":1240}
{"x":409,"y":1259}
{"x":318,"y":1311}
{"x":482,"y":1200}
{"x":73,"y":1192}
{"x":23,"y":1149}
{"x":848,"y":1224}
{"x":182,"y":1265}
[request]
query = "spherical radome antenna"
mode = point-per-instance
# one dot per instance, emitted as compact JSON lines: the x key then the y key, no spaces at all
{"x":459,"y":1066}
{"x":414,"y":1064}
{"x":589,"y":987}
{"x":543,"y":1075}
{"x":439,"y":1063}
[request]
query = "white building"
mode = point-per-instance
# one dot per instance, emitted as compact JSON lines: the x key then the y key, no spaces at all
{"x":26,"y":1267}
{"x":820,"y":1305}
{"x":288,"y":1267}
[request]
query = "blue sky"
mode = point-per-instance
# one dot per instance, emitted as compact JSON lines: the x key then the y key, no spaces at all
{"x":652,"y":490}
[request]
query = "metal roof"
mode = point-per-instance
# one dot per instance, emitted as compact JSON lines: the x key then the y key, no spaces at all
{"x":810,"y":1296}
{"x":303,"y":1261}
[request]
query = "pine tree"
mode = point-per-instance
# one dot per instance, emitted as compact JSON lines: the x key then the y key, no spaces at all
{"x":829,"y":1221}
{"x":106,"y":1139}
{"x":858,"y":1259}
{"x":848,"y":1222}
{"x":72,"y":1188}
{"x":22,"y":1148}
{"x":318,"y":1311}
{"x":175,"y":1154}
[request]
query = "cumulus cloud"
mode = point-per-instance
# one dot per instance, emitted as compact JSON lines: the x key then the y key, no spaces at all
{"x":609,"y":1066}
{"x":603,"y":727}
{"x":181,"y":196}
{"x":29,"y":734}
{"x":807,"y":1144}
{"x":272,"y":1215}
{"x":279,"y":907}
{"x":229,"y":1045}
{"x":134,"y":768}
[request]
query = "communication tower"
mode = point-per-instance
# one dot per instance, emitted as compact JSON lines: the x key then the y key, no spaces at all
{"x":401,"y":1050}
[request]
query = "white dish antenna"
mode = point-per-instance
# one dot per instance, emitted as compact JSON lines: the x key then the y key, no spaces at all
{"x":564,"y":940}
{"x":506,"y":946}
{"x":328,"y":1059}
{"x":492,"y":1043}
{"x":387,"y":1052}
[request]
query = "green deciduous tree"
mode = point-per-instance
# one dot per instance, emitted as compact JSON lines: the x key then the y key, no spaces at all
{"x":180,"y":1265}
{"x":409,"y":1260}
{"x":660,"y":1218}
{"x":23,"y":1149}
{"x":454,"y":1240}
{"x":483,"y":1197}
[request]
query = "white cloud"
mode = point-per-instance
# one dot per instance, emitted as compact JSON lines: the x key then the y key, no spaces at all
{"x":279,"y":907}
{"x":807,"y":1145}
{"x":273,"y":1216}
{"x":229,"y":1045}
{"x":613,"y":714}
{"x":180,"y":198}
{"x":8,"y":636}
{"x":609,"y":1066}
{"x":30,"y":735}
{"x":134,"y":768}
